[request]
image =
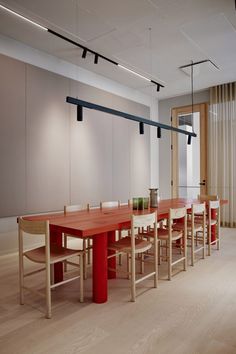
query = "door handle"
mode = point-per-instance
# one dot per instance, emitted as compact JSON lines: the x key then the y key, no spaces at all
{"x":202,"y":183}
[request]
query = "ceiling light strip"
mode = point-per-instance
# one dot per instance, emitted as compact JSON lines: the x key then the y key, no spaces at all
{"x":114,"y":112}
{"x":23,"y":17}
{"x":133,"y":72}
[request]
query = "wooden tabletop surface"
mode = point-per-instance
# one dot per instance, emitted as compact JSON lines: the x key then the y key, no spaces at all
{"x":95,"y":221}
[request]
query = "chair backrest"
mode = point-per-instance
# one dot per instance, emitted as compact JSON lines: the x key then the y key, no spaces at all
{"x":76,"y":207}
{"x":198,"y":211}
{"x":177,"y":213}
{"x":33,"y":228}
{"x":110,"y":204}
{"x":214,"y":208}
{"x":142,"y":221}
{"x":207,"y":197}
{"x":214,"y":204}
{"x":198,"y":208}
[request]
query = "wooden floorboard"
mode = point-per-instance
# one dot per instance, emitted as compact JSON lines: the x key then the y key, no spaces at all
{"x":195,"y":313}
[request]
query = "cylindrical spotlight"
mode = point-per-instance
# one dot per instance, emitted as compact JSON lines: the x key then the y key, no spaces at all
{"x":141,"y":128}
{"x":158,"y":88}
{"x":189,"y":139}
{"x":84,"y":53}
{"x":96,"y":59}
{"x":79,"y":113}
{"x":159,"y":132}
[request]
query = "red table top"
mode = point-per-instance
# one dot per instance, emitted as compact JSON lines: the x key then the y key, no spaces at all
{"x":95,"y":221}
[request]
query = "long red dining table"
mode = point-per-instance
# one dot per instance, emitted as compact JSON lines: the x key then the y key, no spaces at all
{"x":100,"y":225}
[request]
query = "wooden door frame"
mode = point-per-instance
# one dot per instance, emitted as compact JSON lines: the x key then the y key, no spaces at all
{"x":175,"y":112}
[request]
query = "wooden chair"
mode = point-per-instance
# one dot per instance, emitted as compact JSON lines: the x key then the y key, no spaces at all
{"x":206,"y":198}
{"x":132,"y":246}
{"x":212,"y":209}
{"x":170,"y":235}
{"x":86,"y":242}
{"x":44,"y":255}
{"x":196,"y":223}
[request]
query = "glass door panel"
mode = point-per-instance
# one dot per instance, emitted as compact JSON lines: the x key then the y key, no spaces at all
{"x":189,"y":162}
{"x":189,"y":157}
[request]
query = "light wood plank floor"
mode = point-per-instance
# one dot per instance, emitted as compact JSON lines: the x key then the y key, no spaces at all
{"x":194,"y":313}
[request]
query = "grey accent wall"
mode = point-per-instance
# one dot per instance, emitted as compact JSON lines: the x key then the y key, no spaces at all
{"x":48,"y":159}
{"x":165,"y":107}
{"x":12,"y":137}
{"x":47,"y":140}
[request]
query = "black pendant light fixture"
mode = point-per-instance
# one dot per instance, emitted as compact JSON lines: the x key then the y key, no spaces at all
{"x":79,"y":113}
{"x":141,"y":128}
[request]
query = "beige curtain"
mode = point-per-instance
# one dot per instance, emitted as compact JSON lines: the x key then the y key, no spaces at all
{"x":222,"y":149}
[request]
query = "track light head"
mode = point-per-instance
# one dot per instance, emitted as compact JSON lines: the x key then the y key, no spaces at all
{"x":159,"y":132}
{"x":96,"y":59}
{"x":141,"y":128}
{"x":84,"y":53}
{"x":79,"y":113}
{"x":189,"y":139}
{"x":158,"y":88}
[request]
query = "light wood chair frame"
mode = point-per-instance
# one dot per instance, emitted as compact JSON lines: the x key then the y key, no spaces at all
{"x":42,"y":228}
{"x":196,"y":211}
{"x":137,"y":222}
{"x":175,"y":214}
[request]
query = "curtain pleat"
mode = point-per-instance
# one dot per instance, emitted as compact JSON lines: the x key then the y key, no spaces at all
{"x":221,"y":149}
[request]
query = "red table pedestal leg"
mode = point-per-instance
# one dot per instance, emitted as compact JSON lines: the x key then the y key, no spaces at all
{"x":100,"y":268}
{"x":213,"y":227}
{"x":111,"y":261}
{"x":56,"y":238}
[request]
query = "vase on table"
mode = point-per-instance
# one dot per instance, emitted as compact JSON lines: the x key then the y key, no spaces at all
{"x":153,"y":197}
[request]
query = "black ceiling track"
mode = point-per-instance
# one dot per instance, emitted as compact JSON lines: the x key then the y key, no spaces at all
{"x":93,"y":52}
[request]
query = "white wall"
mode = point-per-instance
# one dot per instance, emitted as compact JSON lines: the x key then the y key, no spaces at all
{"x":165,"y":107}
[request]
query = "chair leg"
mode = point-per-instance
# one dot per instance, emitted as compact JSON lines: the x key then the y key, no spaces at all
{"x":159,"y":252}
{"x":133,"y":292}
{"x":21,"y":278}
{"x":218,"y":237}
{"x":185,"y":253}
{"x":209,"y":240}
{"x":120,"y":255}
{"x":52,"y":276}
{"x":204,"y":244}
{"x":48,"y":293}
{"x":192,"y":248}
{"x":156,"y":243}
{"x":128,"y":265}
{"x":81,"y":263}
{"x":65,"y":245}
{"x":89,"y":250}
{"x":85,"y":258}
{"x":169,"y":260}
{"x":142,"y":263}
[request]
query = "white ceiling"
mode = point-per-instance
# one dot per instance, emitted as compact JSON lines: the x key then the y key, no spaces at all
{"x":152,"y":37}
